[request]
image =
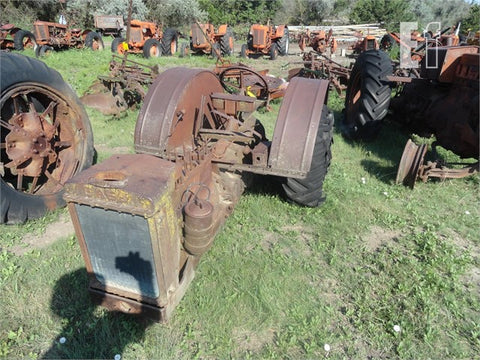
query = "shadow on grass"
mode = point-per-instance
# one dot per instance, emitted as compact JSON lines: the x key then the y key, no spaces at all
{"x":90,"y":332}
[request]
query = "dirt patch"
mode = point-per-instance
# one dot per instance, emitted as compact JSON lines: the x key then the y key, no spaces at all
{"x":379,"y":236}
{"x":54,"y":231}
{"x":250,"y":340}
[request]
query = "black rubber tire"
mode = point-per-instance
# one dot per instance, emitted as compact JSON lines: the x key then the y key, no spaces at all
{"x":243,"y":51}
{"x":273,"y":51}
{"x":226,"y":43}
{"x":18,"y":70}
{"x":283,"y":43}
{"x":169,"y":41}
{"x":115,"y":43}
{"x":368,"y":95}
{"x":147,"y":48}
{"x":20,"y":36}
{"x":93,"y":37}
{"x":309,"y":191}
{"x":43,"y":50}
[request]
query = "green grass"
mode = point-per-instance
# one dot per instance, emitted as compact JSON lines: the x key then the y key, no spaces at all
{"x":281,"y":281}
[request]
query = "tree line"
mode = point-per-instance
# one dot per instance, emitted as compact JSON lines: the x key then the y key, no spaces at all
{"x":179,"y":13}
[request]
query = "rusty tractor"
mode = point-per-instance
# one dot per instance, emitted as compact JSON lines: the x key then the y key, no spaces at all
{"x":109,"y":25}
{"x":319,"y":66}
{"x":318,"y":40}
{"x":45,"y":138}
{"x":144,"y":220}
{"x":364,"y":43}
{"x":266,"y":40}
{"x":14,"y":38}
{"x":147,"y":38}
{"x":54,"y":36}
{"x":442,"y":99}
{"x":205,"y":40}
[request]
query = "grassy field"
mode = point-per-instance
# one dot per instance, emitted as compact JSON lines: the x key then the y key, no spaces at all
{"x":378,"y":271}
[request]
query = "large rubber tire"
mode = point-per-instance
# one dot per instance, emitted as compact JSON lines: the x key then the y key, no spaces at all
{"x":273,"y":51}
{"x":116,"y":45}
{"x":45,"y":87}
{"x":309,"y":191}
{"x":94,"y":41}
{"x":283,"y":44}
{"x":151,"y":48}
{"x":169,"y":42}
{"x":227,"y":43}
{"x":216,"y":51}
{"x":184,"y":48}
{"x":243,"y":51}
{"x":43,"y":50}
{"x":368,"y":95}
{"x":24,"y":38}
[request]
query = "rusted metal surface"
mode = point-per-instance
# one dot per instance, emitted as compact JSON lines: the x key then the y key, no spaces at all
{"x":318,"y":40}
{"x":109,"y":24}
{"x":263,"y":38}
{"x":319,"y":66}
{"x":123,"y":88}
{"x":297,"y":125}
{"x":205,"y":39}
{"x":412,"y":167}
{"x":166,"y":121}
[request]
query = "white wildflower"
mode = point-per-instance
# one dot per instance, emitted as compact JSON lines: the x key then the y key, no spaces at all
{"x":396,"y":328}
{"x":326,"y":347}
{"x":62,"y":340}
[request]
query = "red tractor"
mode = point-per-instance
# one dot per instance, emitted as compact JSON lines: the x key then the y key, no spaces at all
{"x":147,"y":38}
{"x":51,"y":36}
{"x":205,"y":40}
{"x":266,"y":40}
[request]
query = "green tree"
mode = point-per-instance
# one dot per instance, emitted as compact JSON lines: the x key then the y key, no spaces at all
{"x":175,"y":13}
{"x":471,"y":22}
{"x":388,"y":12}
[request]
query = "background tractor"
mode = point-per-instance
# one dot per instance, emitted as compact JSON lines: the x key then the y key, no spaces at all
{"x":319,"y":41}
{"x":147,"y":38}
{"x":442,"y":99}
{"x":266,"y":40}
{"x":205,"y":40}
{"x":53,"y":36}
{"x":198,"y":147}
{"x":14,"y":38}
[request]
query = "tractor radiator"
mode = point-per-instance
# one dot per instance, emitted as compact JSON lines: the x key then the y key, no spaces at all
{"x":130,"y":235}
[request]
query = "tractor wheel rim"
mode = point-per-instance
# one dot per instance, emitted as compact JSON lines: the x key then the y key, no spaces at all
{"x":38,"y":148}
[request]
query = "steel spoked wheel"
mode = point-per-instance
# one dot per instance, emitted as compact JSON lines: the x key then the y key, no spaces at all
{"x":239,"y":80}
{"x":45,"y":139}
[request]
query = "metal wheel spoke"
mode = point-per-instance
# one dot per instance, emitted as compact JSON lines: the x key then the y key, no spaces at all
{"x":62,"y":144}
{"x":6,"y":125}
{"x":49,"y":111}
{"x":34,"y":184}
{"x":50,"y":177}
{"x":3,"y":145}
{"x":16,"y":105}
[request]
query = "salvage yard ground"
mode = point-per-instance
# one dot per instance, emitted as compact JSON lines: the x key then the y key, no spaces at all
{"x":378,"y":271}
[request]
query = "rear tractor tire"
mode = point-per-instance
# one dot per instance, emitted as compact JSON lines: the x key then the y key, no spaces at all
{"x":309,"y":191}
{"x":24,"y":39}
{"x":152,"y":48}
{"x":284,"y":43}
{"x":227,"y":44}
{"x":243,"y":51}
{"x":94,"y":41}
{"x":273,"y":51}
{"x":368,"y":95}
{"x":45,"y":138}
{"x":169,"y":42}
{"x":117,"y":46}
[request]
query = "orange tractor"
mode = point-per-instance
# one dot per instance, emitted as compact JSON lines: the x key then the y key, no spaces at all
{"x":266,"y":40}
{"x":12,"y":37}
{"x":318,"y":40}
{"x":364,"y":43}
{"x":147,"y":38}
{"x":204,"y":40}
{"x":50,"y":36}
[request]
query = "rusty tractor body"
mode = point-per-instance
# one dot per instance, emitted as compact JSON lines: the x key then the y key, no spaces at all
{"x":205,"y":40}
{"x":266,"y":40}
{"x":14,"y":38}
{"x":442,"y":99}
{"x":54,"y":36}
{"x":109,"y":25}
{"x":45,"y":138}
{"x":368,"y":42}
{"x":319,"y":66}
{"x":143,"y":221}
{"x":318,"y":40}
{"x":147,"y":38}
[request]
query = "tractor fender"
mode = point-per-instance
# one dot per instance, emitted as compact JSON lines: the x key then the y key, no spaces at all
{"x":297,"y":125}
{"x":280,"y":30}
{"x":85,"y":32}
{"x":222,"y":29}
